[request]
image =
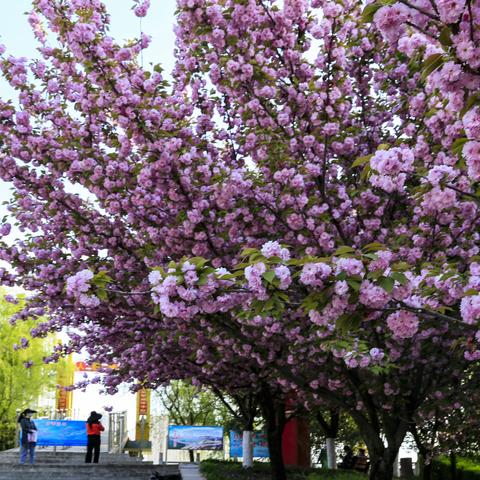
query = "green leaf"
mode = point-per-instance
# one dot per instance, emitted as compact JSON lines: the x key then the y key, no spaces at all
{"x":432,"y":63}
{"x":199,"y":262}
{"x":376,"y":274}
{"x":361,"y":161}
{"x":448,"y":275}
{"x":269,"y":304}
{"x":369,"y":11}
{"x":353,"y":284}
{"x":445,"y":36}
{"x":457,"y":145}
{"x":232,"y":40}
{"x":373,"y":247}
{"x":343,"y":250}
{"x":366,"y":172}
{"x":269,"y":276}
{"x":401,"y":266}
{"x":471,"y":101}
{"x":399,"y":277}
{"x":101,"y":279}
{"x":341,"y":276}
{"x":470,"y":292}
{"x":255,"y":256}
{"x":102,"y":295}
{"x":386,"y":283}
{"x":347,"y":322}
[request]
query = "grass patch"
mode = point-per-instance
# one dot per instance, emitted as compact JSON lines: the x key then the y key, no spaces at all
{"x":467,"y":468}
{"x":220,"y":470}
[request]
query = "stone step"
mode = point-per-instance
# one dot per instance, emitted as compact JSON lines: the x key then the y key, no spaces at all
{"x":190,"y":471}
{"x":88,"y":472}
{"x":66,"y":452}
{"x":4,"y":464}
{"x":79,"y":457}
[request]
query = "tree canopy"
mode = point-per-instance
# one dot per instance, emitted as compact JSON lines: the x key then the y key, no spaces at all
{"x":296,"y":212}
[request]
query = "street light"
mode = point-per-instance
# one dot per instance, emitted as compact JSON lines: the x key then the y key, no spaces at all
{"x":143,"y":422}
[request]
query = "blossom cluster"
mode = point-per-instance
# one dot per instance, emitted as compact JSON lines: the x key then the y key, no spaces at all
{"x":78,"y":286}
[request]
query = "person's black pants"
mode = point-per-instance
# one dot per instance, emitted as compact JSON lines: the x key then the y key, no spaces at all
{"x":93,"y":445}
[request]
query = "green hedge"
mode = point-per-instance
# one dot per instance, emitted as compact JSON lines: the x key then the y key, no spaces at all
{"x":337,"y":475}
{"x":220,"y":470}
{"x":467,"y":469}
{"x":7,"y":436}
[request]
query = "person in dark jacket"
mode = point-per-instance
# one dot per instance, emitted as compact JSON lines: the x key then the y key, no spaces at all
{"x":361,"y":461}
{"x":94,"y":430}
{"x":348,"y":459}
{"x":28,"y":440}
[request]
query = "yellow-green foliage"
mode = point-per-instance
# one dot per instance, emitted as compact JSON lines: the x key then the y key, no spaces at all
{"x":20,"y":387}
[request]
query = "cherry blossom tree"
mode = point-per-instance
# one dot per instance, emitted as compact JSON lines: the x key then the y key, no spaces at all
{"x":297,"y":212}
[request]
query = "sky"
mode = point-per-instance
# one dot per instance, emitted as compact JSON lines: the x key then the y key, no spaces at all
{"x":16,"y":35}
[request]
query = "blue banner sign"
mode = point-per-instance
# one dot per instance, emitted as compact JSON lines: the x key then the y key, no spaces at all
{"x":181,"y":437}
{"x":260,"y":445}
{"x":61,"y":433}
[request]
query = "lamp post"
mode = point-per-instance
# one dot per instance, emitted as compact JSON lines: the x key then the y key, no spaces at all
{"x":143,"y":421}
{"x":17,"y":429}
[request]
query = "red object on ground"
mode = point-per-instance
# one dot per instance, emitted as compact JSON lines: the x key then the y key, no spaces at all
{"x":296,"y":443}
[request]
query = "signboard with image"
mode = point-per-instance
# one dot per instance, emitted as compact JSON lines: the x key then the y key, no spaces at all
{"x":61,"y":433}
{"x":260,"y":445}
{"x":184,"y":437}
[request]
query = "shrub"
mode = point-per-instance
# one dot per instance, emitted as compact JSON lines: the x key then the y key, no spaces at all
{"x":7,"y":436}
{"x":325,"y":474}
{"x":220,"y":470}
{"x":467,"y":469}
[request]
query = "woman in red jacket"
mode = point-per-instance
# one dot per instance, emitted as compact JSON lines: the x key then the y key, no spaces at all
{"x":94,"y":430}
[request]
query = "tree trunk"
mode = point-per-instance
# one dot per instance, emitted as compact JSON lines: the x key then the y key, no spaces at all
{"x":276,"y":456}
{"x":381,"y":468}
{"x":427,"y":471}
{"x":383,"y":440}
{"x":330,"y":429}
{"x":331,"y":454}
{"x":273,"y":412}
{"x":382,"y":458}
{"x":247,"y":447}
{"x":453,"y":465}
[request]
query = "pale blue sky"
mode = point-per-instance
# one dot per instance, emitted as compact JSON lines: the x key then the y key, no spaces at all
{"x":15,"y":33}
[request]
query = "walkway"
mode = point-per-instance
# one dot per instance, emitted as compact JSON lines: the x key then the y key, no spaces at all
{"x":190,"y":471}
{"x":65,"y":465}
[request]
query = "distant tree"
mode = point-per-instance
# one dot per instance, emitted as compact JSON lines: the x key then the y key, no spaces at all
{"x":187,"y":404}
{"x":23,"y":375}
{"x":333,"y":425}
{"x":452,"y":428}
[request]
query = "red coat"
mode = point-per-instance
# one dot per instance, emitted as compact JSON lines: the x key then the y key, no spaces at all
{"x":95,"y":429}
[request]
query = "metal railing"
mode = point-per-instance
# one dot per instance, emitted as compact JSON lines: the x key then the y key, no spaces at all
{"x":117,"y":431}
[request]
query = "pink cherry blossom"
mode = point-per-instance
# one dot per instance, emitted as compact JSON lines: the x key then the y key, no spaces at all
{"x":403,"y":324}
